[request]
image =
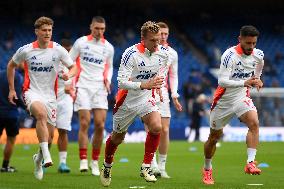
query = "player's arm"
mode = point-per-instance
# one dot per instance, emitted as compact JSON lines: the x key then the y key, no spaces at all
{"x":11,"y":80}
{"x":67,"y":62}
{"x":75,"y":50}
{"x":72,"y":71}
{"x":258,"y":72}
{"x":225,"y":72}
{"x":125,"y":71}
{"x":173,"y":78}
{"x":17,"y":58}
{"x":109,"y":70}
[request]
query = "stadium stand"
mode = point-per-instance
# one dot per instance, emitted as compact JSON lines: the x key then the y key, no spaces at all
{"x":209,"y":34}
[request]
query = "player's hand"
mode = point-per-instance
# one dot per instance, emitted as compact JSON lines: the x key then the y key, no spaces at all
{"x":153,"y":83}
{"x":178,"y":106}
{"x":12,"y":97}
{"x":259,"y":84}
{"x":70,"y":90}
{"x":107,"y":85}
{"x":159,"y":92}
{"x":65,"y":76}
{"x":250,"y":82}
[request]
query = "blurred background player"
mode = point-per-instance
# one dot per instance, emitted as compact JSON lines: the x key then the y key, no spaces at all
{"x":198,"y":111}
{"x":94,"y":54}
{"x":41,"y":61}
{"x":9,"y":117}
{"x":240,"y":69}
{"x":64,"y":112}
{"x":138,"y":80}
{"x":164,"y":107}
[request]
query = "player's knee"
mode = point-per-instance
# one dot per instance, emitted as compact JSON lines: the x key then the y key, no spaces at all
{"x":41,"y":116}
{"x":117,"y":139}
{"x":84,"y":124}
{"x":99,"y":127}
{"x":214,"y":138}
{"x":254,"y":126}
{"x":155,"y":128}
{"x":165,"y":130}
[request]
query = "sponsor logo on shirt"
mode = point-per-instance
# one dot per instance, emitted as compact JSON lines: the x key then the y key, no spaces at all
{"x":145,"y":75}
{"x":241,"y":74}
{"x":42,"y":68}
{"x":93,"y":60}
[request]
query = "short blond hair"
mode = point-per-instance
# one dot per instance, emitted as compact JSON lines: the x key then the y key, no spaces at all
{"x":43,"y":20}
{"x":149,"y":26}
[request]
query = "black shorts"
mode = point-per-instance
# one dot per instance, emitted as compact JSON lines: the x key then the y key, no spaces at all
{"x":11,"y":125}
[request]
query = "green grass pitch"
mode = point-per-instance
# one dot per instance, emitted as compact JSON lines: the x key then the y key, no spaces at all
{"x":184,"y":166}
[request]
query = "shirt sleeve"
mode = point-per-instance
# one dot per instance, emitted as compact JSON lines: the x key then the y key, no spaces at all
{"x":65,"y":57}
{"x":109,"y":62}
{"x":20,"y":55}
{"x":259,"y":66}
{"x":225,"y":72}
{"x":75,"y":51}
{"x":125,"y":71}
{"x":173,"y":77}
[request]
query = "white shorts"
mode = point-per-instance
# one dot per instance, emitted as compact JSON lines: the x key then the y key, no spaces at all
{"x":49,"y":103}
{"x":64,"y":112}
{"x":164,"y":108}
{"x":124,"y":116}
{"x":88,"y":99}
{"x":219,"y":117}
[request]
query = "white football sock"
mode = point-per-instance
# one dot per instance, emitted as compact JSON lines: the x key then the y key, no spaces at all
{"x":251,"y":154}
{"x":208,"y":164}
{"x":45,"y":151}
{"x":162,"y":161}
{"x":62,"y":157}
{"x":154,"y":161}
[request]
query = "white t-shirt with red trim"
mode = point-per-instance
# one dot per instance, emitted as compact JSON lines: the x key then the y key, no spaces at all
{"x":235,"y":69}
{"x":41,"y":67}
{"x":138,"y":65}
{"x":95,"y":58}
{"x":172,"y":75}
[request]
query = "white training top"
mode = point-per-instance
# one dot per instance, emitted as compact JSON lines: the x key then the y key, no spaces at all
{"x":172,"y":74}
{"x":41,"y":67}
{"x":95,"y":58}
{"x":235,"y":69}
{"x":138,"y":65}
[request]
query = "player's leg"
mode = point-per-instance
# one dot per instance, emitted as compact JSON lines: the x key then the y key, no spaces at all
{"x":84,"y":119}
{"x":63,"y":124}
{"x":209,"y":151}
{"x":12,"y":130}
{"x":216,"y":132}
{"x":247,"y":113}
{"x":153,"y":120}
{"x":164,"y":146}
{"x":250,"y":118}
{"x":99,"y":124}
{"x":121,"y":121}
{"x":112,"y":143}
{"x":62,"y":143}
{"x":39,"y":111}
